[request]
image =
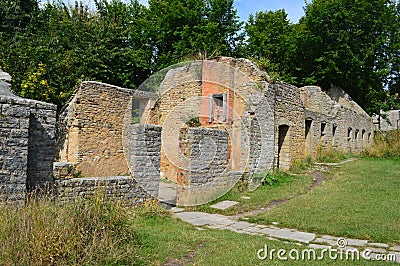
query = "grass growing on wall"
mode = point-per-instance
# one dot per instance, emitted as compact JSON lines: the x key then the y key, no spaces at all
{"x":385,"y":145}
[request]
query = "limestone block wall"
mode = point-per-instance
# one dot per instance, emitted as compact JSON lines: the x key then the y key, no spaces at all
{"x":355,"y":130}
{"x":208,"y":165}
{"x":336,"y":121}
{"x":26,"y":148}
{"x":93,"y":124}
{"x":41,"y":145}
{"x":116,"y":188}
{"x":289,"y":125}
{"x":144,"y":154}
{"x":382,"y":124}
{"x":14,"y":137}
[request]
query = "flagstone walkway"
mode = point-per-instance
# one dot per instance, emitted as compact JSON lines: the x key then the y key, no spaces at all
{"x":203,"y":220}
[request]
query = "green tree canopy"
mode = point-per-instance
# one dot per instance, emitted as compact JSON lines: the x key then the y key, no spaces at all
{"x":352,"y":45}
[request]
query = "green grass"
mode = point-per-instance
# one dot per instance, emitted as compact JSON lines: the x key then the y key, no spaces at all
{"x":97,"y":233}
{"x":166,"y":238}
{"x":287,"y":187}
{"x":361,"y":201}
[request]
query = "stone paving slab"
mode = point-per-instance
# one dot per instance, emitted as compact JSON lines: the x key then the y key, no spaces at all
{"x":252,"y":229}
{"x":395,"y":248}
{"x":221,"y":222}
{"x":189,"y":215}
{"x":378,"y":245}
{"x":317,"y":246}
{"x":176,"y":209}
{"x":241,"y":225}
{"x":289,"y":234}
{"x":397,"y":254}
{"x":223,"y":205}
{"x":327,"y":241}
{"x":377,"y":250}
{"x":330,"y":237}
{"x":356,"y":242}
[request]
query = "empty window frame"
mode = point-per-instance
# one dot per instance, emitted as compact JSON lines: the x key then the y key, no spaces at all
{"x":218,"y":108}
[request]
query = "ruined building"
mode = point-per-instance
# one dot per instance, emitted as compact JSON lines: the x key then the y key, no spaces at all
{"x":202,"y":125}
{"x":199,"y":125}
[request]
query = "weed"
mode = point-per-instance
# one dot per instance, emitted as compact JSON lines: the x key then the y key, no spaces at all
{"x":193,"y":122}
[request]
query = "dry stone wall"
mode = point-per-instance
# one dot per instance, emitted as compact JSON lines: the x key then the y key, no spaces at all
{"x":123,"y":189}
{"x":208,"y":172}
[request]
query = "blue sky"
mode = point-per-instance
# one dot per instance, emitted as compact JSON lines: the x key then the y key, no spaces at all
{"x":294,"y":8}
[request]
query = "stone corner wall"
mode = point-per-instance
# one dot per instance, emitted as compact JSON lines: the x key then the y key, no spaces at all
{"x":26,"y":147}
{"x":144,"y":155}
{"x":90,"y":129}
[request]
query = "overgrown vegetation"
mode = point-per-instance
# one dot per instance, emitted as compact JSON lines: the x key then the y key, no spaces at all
{"x":385,"y":145}
{"x":299,"y":165}
{"x":329,"y":155}
{"x":82,"y":233}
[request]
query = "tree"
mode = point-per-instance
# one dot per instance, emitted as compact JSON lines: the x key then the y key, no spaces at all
{"x":351,"y":45}
{"x":62,"y":45}
{"x":272,"y":43}
{"x":195,"y":28}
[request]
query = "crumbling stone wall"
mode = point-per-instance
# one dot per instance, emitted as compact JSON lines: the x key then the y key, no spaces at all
{"x":389,"y":120}
{"x":144,"y":156}
{"x":97,"y":132}
{"x":90,"y":129}
{"x":26,"y":146}
{"x":289,"y":128}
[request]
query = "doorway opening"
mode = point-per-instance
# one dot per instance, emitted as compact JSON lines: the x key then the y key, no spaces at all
{"x":283,"y":160}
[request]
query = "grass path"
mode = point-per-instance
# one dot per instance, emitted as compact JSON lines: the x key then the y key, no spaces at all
{"x":362,"y":200}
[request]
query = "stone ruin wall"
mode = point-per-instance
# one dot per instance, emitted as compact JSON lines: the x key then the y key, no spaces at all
{"x":208,"y":170}
{"x":289,"y":113}
{"x":27,"y":147}
{"x":92,"y":131}
{"x":389,"y":120}
{"x":184,"y":94}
